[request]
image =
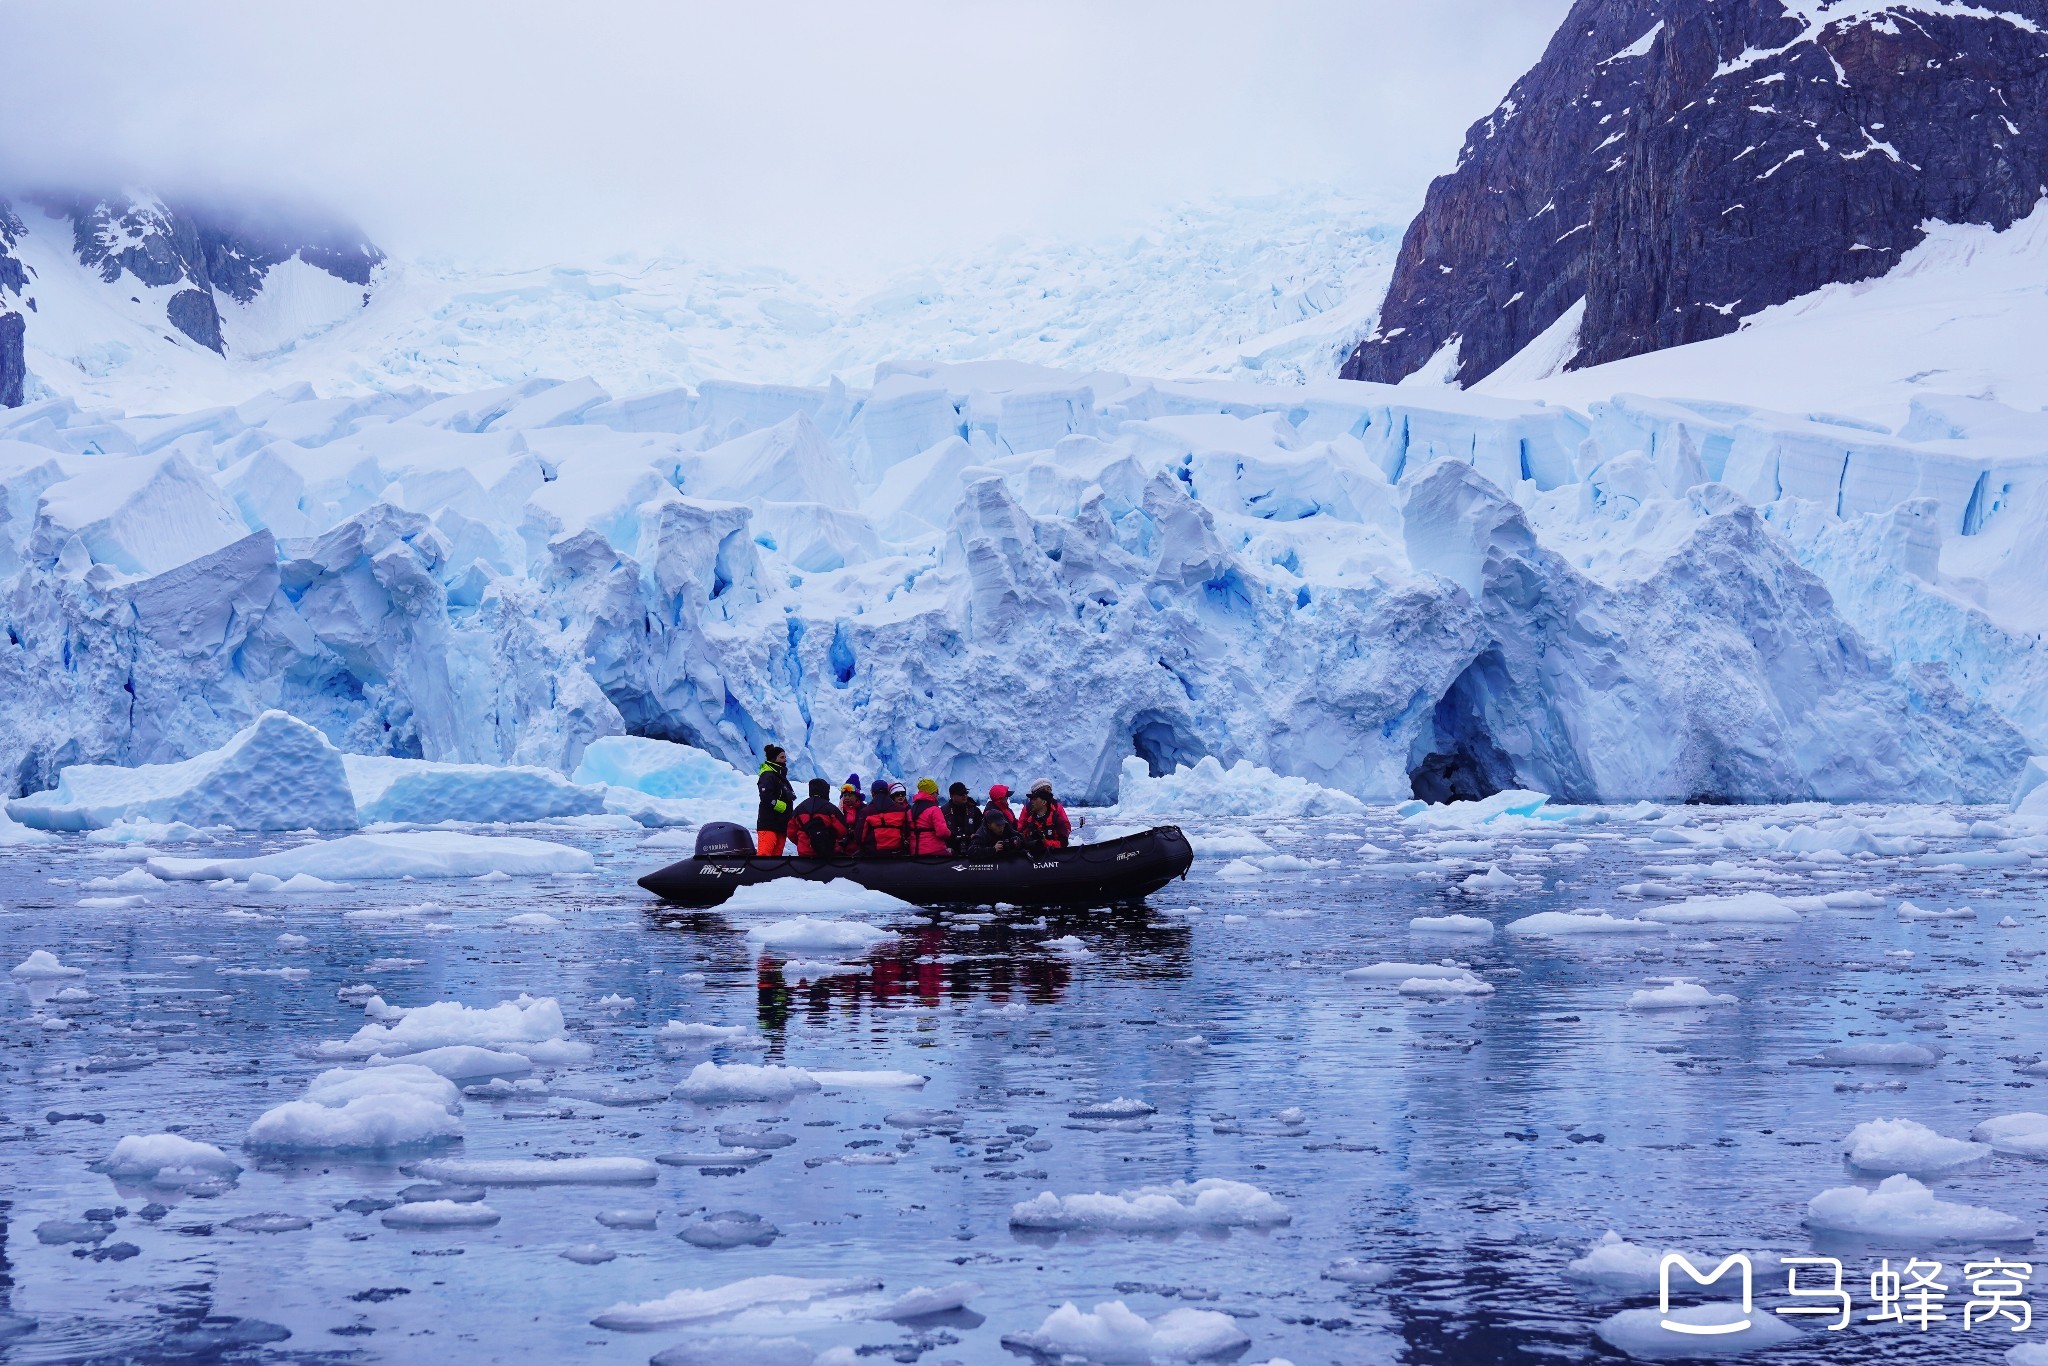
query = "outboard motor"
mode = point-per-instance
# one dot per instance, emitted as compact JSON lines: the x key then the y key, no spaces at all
{"x":724,"y":839}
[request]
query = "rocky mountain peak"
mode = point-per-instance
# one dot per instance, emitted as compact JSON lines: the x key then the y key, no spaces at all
{"x":1670,"y":167}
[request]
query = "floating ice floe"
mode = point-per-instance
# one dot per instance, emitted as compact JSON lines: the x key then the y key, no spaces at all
{"x":278,"y":774}
{"x":1563,"y":924}
{"x":1207,"y":788}
{"x":1677,"y":994}
{"x":807,"y":933}
{"x":660,"y":768}
{"x":1641,"y":1332}
{"x":2024,"y":1134}
{"x":877,"y":1078}
{"x":166,"y":1160}
{"x":43,"y":965}
{"x":530,"y":1027}
{"x":1872,"y":1055}
{"x":796,"y":894}
{"x":1487,"y":811}
{"x":682,"y":1307}
{"x":440,"y":1214}
{"x":1492,"y":880}
{"x":413,"y":853}
{"x":1114,"y":1333}
{"x":537,"y":1171}
{"x":1210,"y":1203}
{"x":711,"y":1083}
{"x":1069,"y":946}
{"x":1908,"y":911}
{"x":1744,"y":908}
{"x":376,"y":1108}
{"x":459,"y":1062}
{"x":1451,"y":924}
{"x":695,"y":1035}
{"x":1227,"y":843}
{"x":1901,"y":1210}
{"x":1403,"y":973}
{"x":1904,"y":1145}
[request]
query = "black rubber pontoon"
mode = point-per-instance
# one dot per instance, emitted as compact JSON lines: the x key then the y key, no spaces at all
{"x":1105,"y":874}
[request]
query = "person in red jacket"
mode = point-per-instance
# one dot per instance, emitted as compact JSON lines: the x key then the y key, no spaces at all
{"x":929,"y":833}
{"x":1044,"y":824}
{"x":886,"y":827}
{"x":820,"y":831}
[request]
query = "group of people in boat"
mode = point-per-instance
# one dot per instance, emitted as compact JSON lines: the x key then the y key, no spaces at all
{"x":886,"y":821}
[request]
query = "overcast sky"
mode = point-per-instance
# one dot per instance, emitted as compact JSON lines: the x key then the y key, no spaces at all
{"x":812,"y":135}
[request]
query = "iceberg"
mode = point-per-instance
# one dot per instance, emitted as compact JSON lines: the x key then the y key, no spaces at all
{"x":416,"y":792}
{"x":279,"y":774}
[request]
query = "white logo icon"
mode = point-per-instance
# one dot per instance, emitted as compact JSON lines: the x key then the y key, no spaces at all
{"x":1702,"y":1329}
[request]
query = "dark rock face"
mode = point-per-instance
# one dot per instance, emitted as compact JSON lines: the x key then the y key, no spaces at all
{"x":13,"y":363}
{"x":13,"y":279}
{"x":1682,"y":164}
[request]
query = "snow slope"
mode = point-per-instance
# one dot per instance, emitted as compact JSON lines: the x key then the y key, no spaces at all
{"x":1962,"y":313}
{"x":1277,"y":287}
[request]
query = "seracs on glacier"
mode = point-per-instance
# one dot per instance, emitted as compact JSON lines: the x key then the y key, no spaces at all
{"x":990,"y":571}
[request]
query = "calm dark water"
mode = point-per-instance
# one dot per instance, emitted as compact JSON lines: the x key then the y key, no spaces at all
{"x":1474,"y":1146}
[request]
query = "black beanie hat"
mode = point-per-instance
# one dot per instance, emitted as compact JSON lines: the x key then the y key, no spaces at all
{"x":957,"y":790}
{"x":820,"y":788}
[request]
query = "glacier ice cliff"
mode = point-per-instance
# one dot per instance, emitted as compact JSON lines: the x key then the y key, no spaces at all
{"x":992,"y":570}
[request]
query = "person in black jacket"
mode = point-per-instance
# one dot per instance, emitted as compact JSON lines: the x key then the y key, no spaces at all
{"x":771,"y":821}
{"x":963,"y":817}
{"x":817,"y":825}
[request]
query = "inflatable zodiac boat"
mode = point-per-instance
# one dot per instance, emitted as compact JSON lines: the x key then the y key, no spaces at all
{"x":1106,"y":874}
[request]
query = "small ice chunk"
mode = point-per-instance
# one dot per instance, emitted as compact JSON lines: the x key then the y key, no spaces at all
{"x":43,"y":964}
{"x":809,"y":934}
{"x":1679,"y":995}
{"x":922,"y":1300}
{"x":1445,"y":986}
{"x":1069,"y":946}
{"x":1408,"y":972}
{"x":1240,"y":869}
{"x":1745,"y":908}
{"x":1352,"y":1271}
{"x":691,"y":1305}
{"x":1492,"y":880}
{"x":1123,"y":1107}
{"x":878,"y":1077}
{"x":730,"y":1228}
{"x":1872,"y":1055}
{"x":1451,"y":924}
{"x":1641,"y":1332}
{"x":710,"y":1083}
{"x":837,"y":897}
{"x":587,"y":1254}
{"x":1210,"y":1203}
{"x":440,"y":1214}
{"x":1113,"y":1332}
{"x":153,"y":1157}
{"x":538,"y":1171}
{"x":531,"y":920}
{"x":700,"y":1035}
{"x":2023,"y":1134}
{"x":460,"y":1062}
{"x":1904,"y":1145}
{"x":629,"y":1218}
{"x":1554,"y":924}
{"x":1901,"y":1210}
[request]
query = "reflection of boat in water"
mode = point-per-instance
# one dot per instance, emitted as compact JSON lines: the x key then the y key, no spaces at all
{"x":1111,"y":873}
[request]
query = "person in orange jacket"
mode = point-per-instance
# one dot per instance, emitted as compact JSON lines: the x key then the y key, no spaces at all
{"x":929,"y":833}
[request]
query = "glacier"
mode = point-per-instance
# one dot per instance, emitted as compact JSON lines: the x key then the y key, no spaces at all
{"x":992,"y":570}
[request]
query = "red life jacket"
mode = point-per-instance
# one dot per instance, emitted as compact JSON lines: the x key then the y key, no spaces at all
{"x":1053,"y":829}
{"x":886,"y":830}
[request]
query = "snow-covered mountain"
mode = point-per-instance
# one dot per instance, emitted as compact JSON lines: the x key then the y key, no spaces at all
{"x":101,"y":279}
{"x":1671,"y":167}
{"x":1279,"y":287}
